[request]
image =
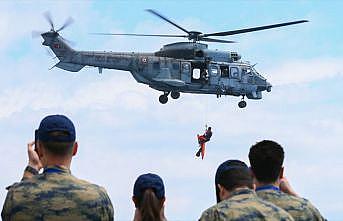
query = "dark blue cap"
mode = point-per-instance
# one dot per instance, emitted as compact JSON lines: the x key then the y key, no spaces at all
{"x":56,"y":123}
{"x":229,"y":165}
{"x":148,"y":181}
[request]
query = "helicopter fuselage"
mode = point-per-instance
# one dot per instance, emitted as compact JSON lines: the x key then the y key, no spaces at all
{"x":180,"y":67}
{"x":187,"y":67}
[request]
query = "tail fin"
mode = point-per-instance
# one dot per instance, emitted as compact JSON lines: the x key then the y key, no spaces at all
{"x":62,"y":51}
{"x":56,"y":43}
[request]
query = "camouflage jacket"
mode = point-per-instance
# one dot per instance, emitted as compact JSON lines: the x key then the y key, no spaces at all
{"x":243,"y":205}
{"x":56,"y":195}
{"x":299,"y":208}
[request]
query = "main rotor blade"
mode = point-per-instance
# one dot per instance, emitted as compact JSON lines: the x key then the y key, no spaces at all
{"x":144,"y":35}
{"x":216,"y":40}
{"x":68,"y":22}
{"x":47,"y":16}
{"x":240,"y":31}
{"x":167,"y":20}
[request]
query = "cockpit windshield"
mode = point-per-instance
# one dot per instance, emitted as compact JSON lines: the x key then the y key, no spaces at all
{"x":250,"y":70}
{"x":247,"y":70}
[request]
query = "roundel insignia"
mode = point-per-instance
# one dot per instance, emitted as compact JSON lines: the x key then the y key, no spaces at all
{"x":144,"y":59}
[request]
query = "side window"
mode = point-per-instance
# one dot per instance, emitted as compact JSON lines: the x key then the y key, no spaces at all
{"x":214,"y":71}
{"x":234,"y":72}
{"x":156,"y":65}
{"x":185,"y":68}
{"x":225,"y":72}
{"x":176,"y":66}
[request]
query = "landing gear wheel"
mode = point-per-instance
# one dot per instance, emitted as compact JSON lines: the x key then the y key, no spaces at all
{"x":175,"y":94}
{"x":242,"y":104}
{"x":163,"y":99}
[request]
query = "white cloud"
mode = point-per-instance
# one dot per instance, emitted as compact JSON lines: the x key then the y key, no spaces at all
{"x":305,"y":71}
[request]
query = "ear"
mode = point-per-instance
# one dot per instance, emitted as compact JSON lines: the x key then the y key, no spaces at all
{"x":39,"y":149}
{"x":134,"y":201}
{"x":254,"y":180}
{"x":223,"y":193}
{"x":163,"y":200}
{"x":75,"y":146}
{"x":252,"y":173}
{"x":220,"y":187}
{"x":221,"y":190}
{"x":281,"y":173}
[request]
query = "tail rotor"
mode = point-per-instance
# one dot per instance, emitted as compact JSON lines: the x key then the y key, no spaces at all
{"x":48,"y":17}
{"x":68,"y":22}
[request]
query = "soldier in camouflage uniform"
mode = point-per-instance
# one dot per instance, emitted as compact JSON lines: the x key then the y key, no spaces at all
{"x":237,"y":200}
{"x":266,"y":159}
{"x":55,"y":194}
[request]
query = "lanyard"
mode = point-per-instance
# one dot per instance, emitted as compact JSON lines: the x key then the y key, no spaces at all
{"x":268,"y":187}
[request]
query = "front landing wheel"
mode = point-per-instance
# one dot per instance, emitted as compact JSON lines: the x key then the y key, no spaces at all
{"x":242,"y":104}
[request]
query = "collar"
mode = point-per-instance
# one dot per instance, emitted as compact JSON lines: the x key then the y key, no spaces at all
{"x":56,"y":169}
{"x":267,"y":187}
{"x":241,"y":192}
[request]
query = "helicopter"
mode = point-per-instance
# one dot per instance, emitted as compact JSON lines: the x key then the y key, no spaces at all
{"x":181,"y":67}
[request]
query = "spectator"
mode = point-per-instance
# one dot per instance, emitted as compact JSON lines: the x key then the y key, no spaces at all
{"x":149,"y":198}
{"x":55,"y":194}
{"x":266,"y":160}
{"x":236,"y":200}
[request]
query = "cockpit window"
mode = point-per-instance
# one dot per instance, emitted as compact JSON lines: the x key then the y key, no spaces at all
{"x":246,"y":70}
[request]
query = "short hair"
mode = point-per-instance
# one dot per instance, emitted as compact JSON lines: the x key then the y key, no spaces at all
{"x":266,"y":159}
{"x":58,"y":148}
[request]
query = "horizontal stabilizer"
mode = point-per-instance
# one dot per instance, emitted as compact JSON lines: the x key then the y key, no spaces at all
{"x":171,"y":82}
{"x":69,"y":66}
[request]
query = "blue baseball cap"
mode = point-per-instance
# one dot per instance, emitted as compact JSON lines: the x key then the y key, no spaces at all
{"x":148,"y":181}
{"x":56,"y":123}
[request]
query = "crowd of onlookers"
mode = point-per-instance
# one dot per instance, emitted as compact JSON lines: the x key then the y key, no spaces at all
{"x":258,"y":192}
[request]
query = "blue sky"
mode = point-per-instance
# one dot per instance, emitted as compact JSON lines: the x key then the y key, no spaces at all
{"x":122,"y":129}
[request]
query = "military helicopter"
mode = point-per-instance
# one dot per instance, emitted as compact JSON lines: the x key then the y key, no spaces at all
{"x":181,"y":67}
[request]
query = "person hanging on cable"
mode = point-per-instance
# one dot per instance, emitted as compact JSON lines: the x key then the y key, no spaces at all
{"x":202,"y":139}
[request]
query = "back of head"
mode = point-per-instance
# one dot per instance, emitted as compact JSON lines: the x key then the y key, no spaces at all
{"x":149,"y":196}
{"x":57,"y":134}
{"x":266,"y":159}
{"x":233,"y":174}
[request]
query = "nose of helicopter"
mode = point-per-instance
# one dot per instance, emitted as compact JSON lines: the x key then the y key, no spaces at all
{"x":268,"y":86}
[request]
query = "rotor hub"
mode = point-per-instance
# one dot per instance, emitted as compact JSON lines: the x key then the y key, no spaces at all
{"x":194,"y":35}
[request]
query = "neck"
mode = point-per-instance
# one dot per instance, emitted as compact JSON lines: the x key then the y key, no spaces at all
{"x":56,"y":161}
{"x":227,"y":194}
{"x":260,"y":184}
